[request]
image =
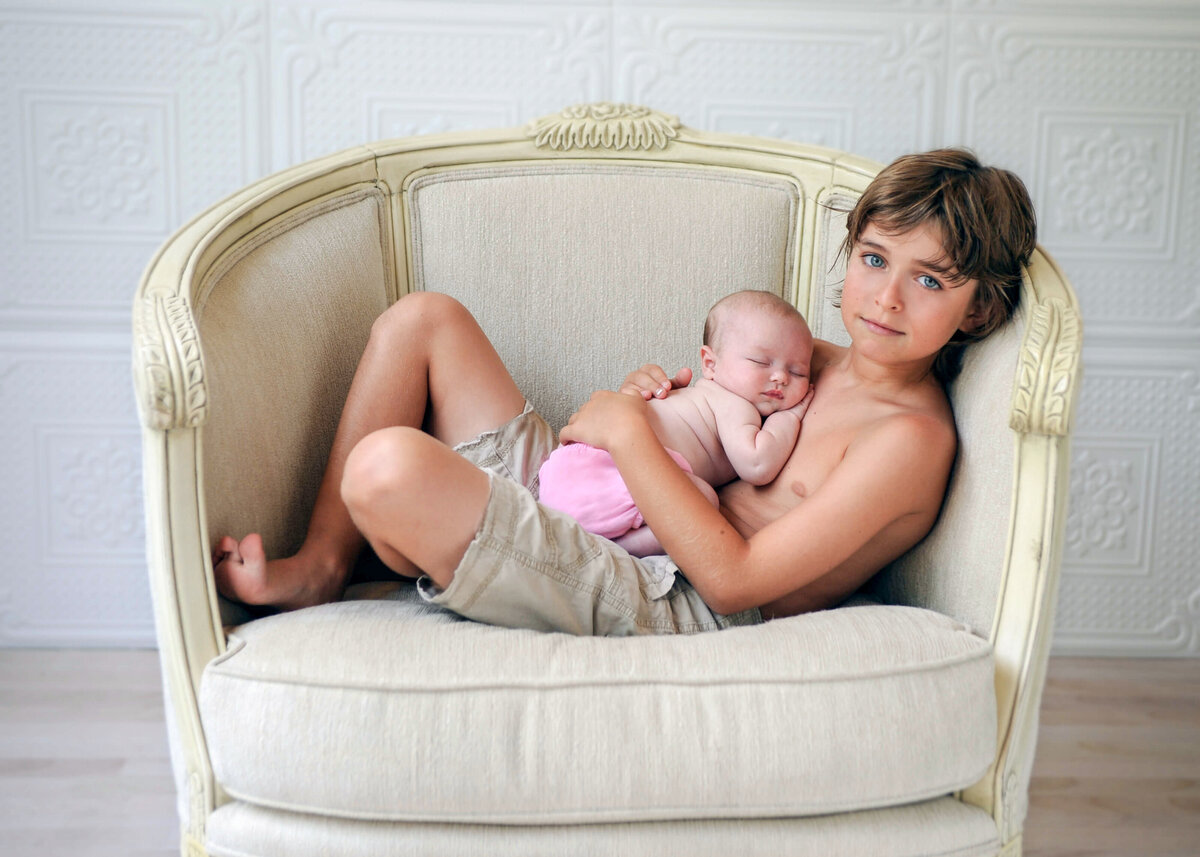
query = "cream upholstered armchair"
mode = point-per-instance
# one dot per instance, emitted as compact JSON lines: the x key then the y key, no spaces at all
{"x":903,"y":723}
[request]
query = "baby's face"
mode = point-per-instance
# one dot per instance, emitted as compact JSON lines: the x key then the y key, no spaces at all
{"x":762,"y":358}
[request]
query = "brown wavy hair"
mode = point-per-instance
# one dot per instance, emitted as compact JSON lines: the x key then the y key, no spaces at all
{"x":988,"y":227}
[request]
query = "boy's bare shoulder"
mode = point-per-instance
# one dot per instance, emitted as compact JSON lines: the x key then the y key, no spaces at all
{"x":918,"y":420}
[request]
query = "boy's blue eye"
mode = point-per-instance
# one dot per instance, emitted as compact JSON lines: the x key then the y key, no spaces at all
{"x":873,"y":261}
{"x":928,"y":282}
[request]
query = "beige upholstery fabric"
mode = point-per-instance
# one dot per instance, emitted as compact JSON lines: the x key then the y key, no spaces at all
{"x":939,"y":828}
{"x":824,"y":317}
{"x":283,"y":318}
{"x":448,"y":720}
{"x":624,"y":263}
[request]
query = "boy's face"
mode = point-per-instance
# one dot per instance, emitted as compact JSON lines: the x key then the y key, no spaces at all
{"x":897,"y":305}
{"x":762,"y":358}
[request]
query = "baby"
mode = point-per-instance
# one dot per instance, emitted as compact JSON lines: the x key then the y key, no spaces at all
{"x":755,"y":364}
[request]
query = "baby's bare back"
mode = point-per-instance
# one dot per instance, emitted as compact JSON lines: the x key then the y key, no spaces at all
{"x":686,"y":421}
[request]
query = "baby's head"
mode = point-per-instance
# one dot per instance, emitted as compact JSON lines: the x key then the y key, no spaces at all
{"x":985,"y":218}
{"x":758,"y":346}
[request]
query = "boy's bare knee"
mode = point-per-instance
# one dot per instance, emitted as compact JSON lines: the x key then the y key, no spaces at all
{"x":380,"y":464}
{"x":418,"y":312}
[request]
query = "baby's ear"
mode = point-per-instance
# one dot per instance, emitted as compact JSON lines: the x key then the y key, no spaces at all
{"x":708,"y":362}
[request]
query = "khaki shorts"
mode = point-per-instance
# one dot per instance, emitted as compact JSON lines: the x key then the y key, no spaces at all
{"x":532,"y":567}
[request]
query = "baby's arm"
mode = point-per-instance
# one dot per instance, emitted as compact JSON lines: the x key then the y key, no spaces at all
{"x":756,"y":448}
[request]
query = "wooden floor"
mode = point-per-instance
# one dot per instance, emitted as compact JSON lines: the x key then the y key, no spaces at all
{"x":84,"y":767}
{"x":1118,"y":764}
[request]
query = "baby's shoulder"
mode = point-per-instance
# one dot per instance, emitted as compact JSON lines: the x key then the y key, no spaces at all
{"x":724,"y":401}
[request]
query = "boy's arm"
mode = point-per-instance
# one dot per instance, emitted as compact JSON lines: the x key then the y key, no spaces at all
{"x":879,"y":501}
{"x":757,"y":449}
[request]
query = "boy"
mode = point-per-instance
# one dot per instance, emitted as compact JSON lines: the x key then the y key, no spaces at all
{"x":755,"y":363}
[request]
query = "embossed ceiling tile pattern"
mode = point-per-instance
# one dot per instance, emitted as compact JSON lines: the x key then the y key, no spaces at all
{"x":852,"y":7}
{"x":1113,"y":160}
{"x":70,"y":513}
{"x":785,"y":72}
{"x":363,"y":71}
{"x":1131,"y":542}
{"x":1175,"y":9}
{"x":127,"y":119}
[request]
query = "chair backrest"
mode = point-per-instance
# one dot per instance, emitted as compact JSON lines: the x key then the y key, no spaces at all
{"x":282,"y":318}
{"x":580,"y":272}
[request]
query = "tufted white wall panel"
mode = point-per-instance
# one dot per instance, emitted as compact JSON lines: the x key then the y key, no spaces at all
{"x":123,"y":118}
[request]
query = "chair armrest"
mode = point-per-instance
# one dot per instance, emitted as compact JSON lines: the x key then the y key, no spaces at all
{"x":1043,"y":406}
{"x":173,"y":395}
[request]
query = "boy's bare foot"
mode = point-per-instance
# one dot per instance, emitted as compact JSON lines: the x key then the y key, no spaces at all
{"x":243,"y":573}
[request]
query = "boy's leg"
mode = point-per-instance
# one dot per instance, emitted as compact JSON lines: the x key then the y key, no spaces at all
{"x":427,"y":364}
{"x":416,"y":501}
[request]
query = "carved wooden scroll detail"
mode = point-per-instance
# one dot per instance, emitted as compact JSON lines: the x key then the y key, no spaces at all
{"x":605,"y":125}
{"x":1049,"y":370}
{"x":171,"y":387}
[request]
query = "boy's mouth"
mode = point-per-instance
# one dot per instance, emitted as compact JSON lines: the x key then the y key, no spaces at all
{"x":882,"y":329}
{"x":774,"y":394}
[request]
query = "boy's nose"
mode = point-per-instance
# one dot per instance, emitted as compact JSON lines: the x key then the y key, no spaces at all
{"x":888,"y":296}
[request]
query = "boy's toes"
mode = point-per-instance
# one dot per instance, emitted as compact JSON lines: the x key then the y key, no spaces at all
{"x":251,"y":550}
{"x":226,"y":548}
{"x":240,"y":569}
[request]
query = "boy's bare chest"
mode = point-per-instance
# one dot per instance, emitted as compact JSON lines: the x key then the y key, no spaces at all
{"x":824,"y":438}
{"x":821,"y":447}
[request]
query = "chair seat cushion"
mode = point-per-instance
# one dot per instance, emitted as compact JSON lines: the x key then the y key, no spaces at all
{"x":390,"y":709}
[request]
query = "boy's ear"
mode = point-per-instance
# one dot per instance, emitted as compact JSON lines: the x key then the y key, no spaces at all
{"x":972,"y":322}
{"x":708,"y":362}
{"x":975,"y":318}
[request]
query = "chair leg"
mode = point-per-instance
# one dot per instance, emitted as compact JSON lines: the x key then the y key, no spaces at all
{"x":1012,"y":848}
{"x":189,"y":847}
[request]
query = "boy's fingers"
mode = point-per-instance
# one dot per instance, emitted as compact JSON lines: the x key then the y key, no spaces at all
{"x":682,"y":378}
{"x":644,"y":381}
{"x":652,"y":381}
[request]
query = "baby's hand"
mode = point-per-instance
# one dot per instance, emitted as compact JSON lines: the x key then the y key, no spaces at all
{"x":801,"y":407}
{"x":651,"y":381}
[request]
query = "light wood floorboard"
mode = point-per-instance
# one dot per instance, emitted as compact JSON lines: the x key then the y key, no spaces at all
{"x":84,"y":768}
{"x":1117,"y":772}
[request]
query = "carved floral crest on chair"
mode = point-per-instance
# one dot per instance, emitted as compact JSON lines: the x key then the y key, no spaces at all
{"x":604,"y":125}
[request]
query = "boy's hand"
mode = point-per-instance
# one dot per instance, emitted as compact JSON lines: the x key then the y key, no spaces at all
{"x":606,"y":420}
{"x":651,"y":381}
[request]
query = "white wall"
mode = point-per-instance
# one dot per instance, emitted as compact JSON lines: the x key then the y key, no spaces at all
{"x":121,"y":119}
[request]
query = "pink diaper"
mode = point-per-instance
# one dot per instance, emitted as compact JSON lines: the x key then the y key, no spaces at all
{"x":584,"y":482}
